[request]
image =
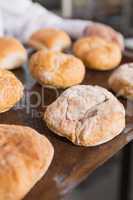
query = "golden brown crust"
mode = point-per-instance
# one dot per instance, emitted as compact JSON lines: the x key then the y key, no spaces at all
{"x":98,"y":54}
{"x":56,"y":69}
{"x":11,"y":90}
{"x":86,"y":115}
{"x":12,"y":53}
{"x":24,"y":158}
{"x":50,"y":38}
{"x":105,"y":32}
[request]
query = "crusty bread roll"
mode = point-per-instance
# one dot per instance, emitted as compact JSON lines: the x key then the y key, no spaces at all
{"x":24,"y":158}
{"x":105,"y":32}
{"x":121,"y":81}
{"x":12,"y":53}
{"x":97,"y":53}
{"x":11,"y":90}
{"x":56,"y":69}
{"x":50,"y":39}
{"x":86,"y":115}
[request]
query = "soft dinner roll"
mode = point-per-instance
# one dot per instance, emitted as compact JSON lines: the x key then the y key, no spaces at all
{"x":50,"y":39}
{"x":24,"y":158}
{"x":11,"y":90}
{"x":56,"y":69}
{"x":121,"y":80}
{"x":97,"y":53}
{"x":86,"y":115}
{"x":12,"y":53}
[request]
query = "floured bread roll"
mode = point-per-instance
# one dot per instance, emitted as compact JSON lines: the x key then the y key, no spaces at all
{"x":11,"y":90}
{"x":97,"y":53}
{"x":50,"y":39}
{"x":24,"y":158}
{"x":86,"y":115}
{"x":12,"y":53}
{"x":56,"y":69}
{"x":121,"y":80}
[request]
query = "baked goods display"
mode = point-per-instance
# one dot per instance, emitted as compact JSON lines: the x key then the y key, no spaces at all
{"x":97,"y":53}
{"x":50,"y":39}
{"x":12,"y":53}
{"x":86,"y":115}
{"x":105,"y":32}
{"x":24,"y":158}
{"x":11,"y":90}
{"x":56,"y":69}
{"x":121,"y":81}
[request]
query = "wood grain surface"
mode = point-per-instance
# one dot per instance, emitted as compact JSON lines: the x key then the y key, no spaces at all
{"x":71,"y":164}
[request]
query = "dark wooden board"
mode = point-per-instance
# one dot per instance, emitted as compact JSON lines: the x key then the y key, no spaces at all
{"x":71,"y":164}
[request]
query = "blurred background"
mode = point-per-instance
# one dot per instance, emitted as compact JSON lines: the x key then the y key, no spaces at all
{"x":105,"y":182}
{"x":117,"y":13}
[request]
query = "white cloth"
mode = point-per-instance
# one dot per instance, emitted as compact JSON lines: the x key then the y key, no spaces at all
{"x":20,"y":18}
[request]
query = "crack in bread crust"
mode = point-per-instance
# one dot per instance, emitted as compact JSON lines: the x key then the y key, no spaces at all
{"x":86,"y":115}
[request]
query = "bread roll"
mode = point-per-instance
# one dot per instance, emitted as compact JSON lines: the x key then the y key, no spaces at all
{"x":11,"y":90}
{"x":121,"y":81}
{"x":24,"y":158}
{"x":97,"y":53}
{"x":50,"y":39}
{"x":56,"y":69}
{"x":105,"y":32}
{"x":86,"y":115}
{"x":12,"y":53}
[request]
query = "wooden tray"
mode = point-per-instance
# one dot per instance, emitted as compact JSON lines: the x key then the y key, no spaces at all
{"x":71,"y":164}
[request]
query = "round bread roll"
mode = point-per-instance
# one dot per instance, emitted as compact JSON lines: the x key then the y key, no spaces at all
{"x":86,"y":115}
{"x":97,"y":53}
{"x":50,"y":39}
{"x":105,"y":32}
{"x":12,"y":53}
{"x":56,"y":69}
{"x":121,"y":80}
{"x":11,"y":90}
{"x":24,"y":158}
